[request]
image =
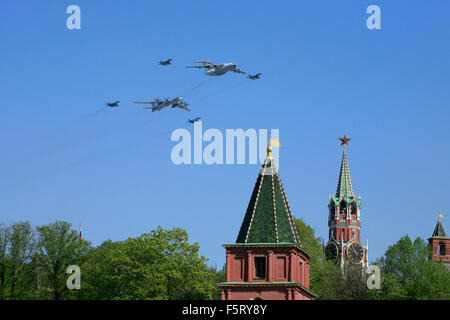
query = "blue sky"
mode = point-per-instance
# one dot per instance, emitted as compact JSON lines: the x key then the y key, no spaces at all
{"x":66,"y":157}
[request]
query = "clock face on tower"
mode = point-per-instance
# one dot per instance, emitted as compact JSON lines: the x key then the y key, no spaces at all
{"x":331,"y":251}
{"x":355,"y":252}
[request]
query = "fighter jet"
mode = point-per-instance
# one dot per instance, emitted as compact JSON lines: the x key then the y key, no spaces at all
{"x":113,"y":104}
{"x":255,"y":76}
{"x":165,"y":63}
{"x":212,"y":69}
{"x":193,"y":120}
{"x":158,"y":105}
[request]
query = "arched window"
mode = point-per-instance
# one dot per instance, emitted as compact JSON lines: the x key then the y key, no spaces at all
{"x":441,"y":251}
{"x":354,"y":209}
{"x":332,"y":211}
{"x":343,"y":208}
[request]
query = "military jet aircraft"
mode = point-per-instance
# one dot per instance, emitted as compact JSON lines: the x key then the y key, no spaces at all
{"x":212,"y":69}
{"x":165,"y":63}
{"x":255,"y":76}
{"x":113,"y":104}
{"x":158,"y":105}
{"x":193,"y":120}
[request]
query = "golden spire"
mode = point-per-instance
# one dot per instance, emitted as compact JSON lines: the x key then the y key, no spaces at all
{"x":272,"y":143}
{"x":440,"y":216}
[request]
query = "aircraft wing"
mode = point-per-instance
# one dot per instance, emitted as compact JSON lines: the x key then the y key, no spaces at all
{"x":182,"y":107}
{"x":205,"y":64}
{"x":198,"y":67}
{"x":160,"y":107}
{"x":172,"y":101}
{"x":157,"y":108}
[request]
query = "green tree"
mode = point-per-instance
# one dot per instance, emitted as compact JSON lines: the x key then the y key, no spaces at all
{"x":326,"y":278}
{"x":219,"y":276}
{"x":4,"y":240}
{"x":407,"y":272}
{"x":58,"y":248}
{"x":332,"y":283}
{"x":160,"y":265}
{"x":22,"y":245}
{"x":312,"y":244}
{"x":308,"y":240}
{"x":96,"y":284}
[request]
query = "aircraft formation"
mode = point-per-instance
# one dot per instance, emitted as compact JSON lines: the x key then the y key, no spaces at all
{"x":211,"y":69}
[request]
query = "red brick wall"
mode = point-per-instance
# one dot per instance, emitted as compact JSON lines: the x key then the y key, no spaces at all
{"x":283,"y":264}
{"x":435,"y":245}
{"x":267,"y":293}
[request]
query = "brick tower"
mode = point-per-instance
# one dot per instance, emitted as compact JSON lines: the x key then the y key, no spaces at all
{"x":267,"y":261}
{"x":440,"y":244}
{"x":344,"y":220}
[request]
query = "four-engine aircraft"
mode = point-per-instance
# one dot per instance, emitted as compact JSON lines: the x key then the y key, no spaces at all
{"x":212,"y":69}
{"x":158,"y":105}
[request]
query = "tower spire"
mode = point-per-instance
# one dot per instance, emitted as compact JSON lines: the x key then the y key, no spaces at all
{"x":439,"y":229}
{"x":267,"y":261}
{"x":344,"y":219}
{"x":344,"y":187}
{"x":440,"y":244}
{"x":268,"y":218}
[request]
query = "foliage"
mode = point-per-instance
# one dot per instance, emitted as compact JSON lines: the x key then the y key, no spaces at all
{"x":219,"y":276}
{"x":336,"y":284}
{"x":17,"y":245}
{"x":157,"y":265}
{"x":163,"y":264}
{"x":314,"y":246}
{"x":326,"y":278}
{"x":309,"y":241}
{"x":407,"y":272}
{"x":58,"y":248}
{"x":21,"y":248}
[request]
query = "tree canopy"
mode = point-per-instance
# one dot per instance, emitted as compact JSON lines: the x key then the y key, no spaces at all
{"x":407,"y":272}
{"x":159,"y":265}
{"x":165,"y":265}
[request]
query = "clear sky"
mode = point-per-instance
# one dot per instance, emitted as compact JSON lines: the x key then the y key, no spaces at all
{"x":65,"y":156}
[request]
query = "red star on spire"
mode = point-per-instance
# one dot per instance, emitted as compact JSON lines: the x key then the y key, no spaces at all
{"x":345,"y":140}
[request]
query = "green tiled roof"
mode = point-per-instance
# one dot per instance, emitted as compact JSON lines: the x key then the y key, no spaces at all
{"x":344,"y":188}
{"x":268,"y":218}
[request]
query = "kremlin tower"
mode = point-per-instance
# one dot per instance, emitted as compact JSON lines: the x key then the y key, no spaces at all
{"x":440,"y":244}
{"x":344,"y":220}
{"x":267,"y":261}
